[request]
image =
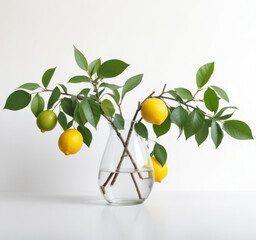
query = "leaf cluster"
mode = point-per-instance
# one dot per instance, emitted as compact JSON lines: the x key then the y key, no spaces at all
{"x":102,"y":96}
{"x":191,"y":120}
{"x":97,"y":98}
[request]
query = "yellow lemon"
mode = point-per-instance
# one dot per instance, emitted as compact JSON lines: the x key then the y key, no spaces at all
{"x":46,"y":120}
{"x":154,"y":111}
{"x":70,"y":141}
{"x":160,"y":172}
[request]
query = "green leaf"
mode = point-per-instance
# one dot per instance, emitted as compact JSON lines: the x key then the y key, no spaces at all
{"x":171,"y":109}
{"x":175,"y":95}
{"x":216,"y":133}
{"x":203,"y":74}
{"x":119,"y":121}
{"x":78,"y":116}
{"x":80,"y":59}
{"x":179,"y":116}
{"x":53,"y":98}
{"x":17,"y":100}
{"x":211,"y":100}
{"x":48,"y":76}
{"x":66,"y":104}
{"x":221,"y":93}
{"x":208,"y":122}
{"x":101,"y":91}
{"x":141,"y":129}
{"x":86,"y":133}
{"x":194,"y":123}
{"x":79,"y":79}
{"x":74,"y":102}
{"x":93,"y":97}
{"x":200,"y":110}
{"x":131,"y":83}
{"x":115,"y":96}
{"x":184,"y":93}
{"x":69,"y":125}
{"x":180,"y":132}
{"x":202,"y":134}
{"x":84,"y":92}
{"x":107,"y":107}
{"x":111,"y":68}
{"x":64,"y":88}
{"x":219,"y":114}
{"x":81,"y":116}
{"x":160,"y":153}
{"x":30,"y":86}
{"x":110,"y":86}
{"x":91,"y":111}
{"x":225,"y":117}
{"x":62,"y":119}
{"x":94,"y":66}
{"x":163,"y":128}
{"x":237,"y":129}
{"x":37,"y":104}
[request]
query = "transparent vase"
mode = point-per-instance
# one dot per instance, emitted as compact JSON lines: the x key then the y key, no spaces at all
{"x":126,"y":174}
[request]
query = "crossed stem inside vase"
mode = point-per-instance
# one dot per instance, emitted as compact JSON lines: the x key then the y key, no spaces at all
{"x":122,"y":158}
{"x":116,"y":173}
{"x":125,"y":151}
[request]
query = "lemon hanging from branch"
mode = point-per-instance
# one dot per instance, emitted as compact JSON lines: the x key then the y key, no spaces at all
{"x":159,"y":171}
{"x":46,"y":120}
{"x":70,"y":141}
{"x":154,"y":111}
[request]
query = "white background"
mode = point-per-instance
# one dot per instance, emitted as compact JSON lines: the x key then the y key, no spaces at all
{"x":166,"y":40}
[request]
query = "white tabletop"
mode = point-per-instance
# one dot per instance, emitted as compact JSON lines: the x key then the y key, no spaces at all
{"x":173,"y":215}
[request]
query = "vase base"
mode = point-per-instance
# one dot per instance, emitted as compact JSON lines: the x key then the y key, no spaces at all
{"x":126,"y":202}
{"x":131,"y":187}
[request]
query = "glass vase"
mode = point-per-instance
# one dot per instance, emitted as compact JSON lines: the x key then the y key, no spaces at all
{"x":126,"y":173}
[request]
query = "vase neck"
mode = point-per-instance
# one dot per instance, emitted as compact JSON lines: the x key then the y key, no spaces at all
{"x":124,"y":132}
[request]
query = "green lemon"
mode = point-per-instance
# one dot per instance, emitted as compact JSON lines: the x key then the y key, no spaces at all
{"x":46,"y":120}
